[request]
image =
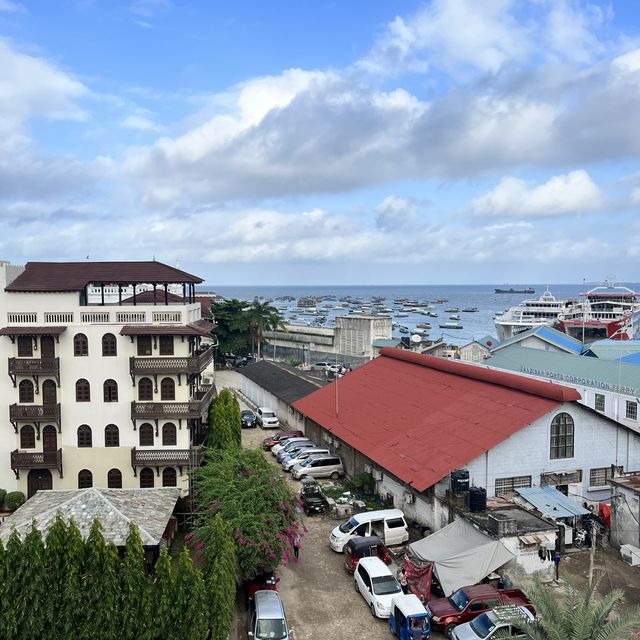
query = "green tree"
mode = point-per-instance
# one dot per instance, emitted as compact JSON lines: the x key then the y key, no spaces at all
{"x":3,"y":579}
{"x":251,"y":496}
{"x":135,"y":592}
{"x":191,"y":615}
{"x":224,"y":421}
{"x":580,"y":614}
{"x":14,"y":607}
{"x":232,"y":326}
{"x":34,"y":586}
{"x":101,"y":588}
{"x":263,"y":317}
{"x":164,"y":597}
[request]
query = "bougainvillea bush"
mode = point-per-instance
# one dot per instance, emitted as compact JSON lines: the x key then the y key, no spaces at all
{"x":249,"y":495}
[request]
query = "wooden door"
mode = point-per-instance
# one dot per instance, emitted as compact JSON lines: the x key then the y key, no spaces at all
{"x":49,"y":393}
{"x":39,"y":480}
{"x":49,"y":439}
{"x":47,"y":347}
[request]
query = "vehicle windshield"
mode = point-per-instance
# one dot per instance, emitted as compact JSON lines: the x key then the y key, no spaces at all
{"x":272,"y":629}
{"x":459,"y":600}
{"x":268,"y":414}
{"x":482,"y":625}
{"x":345,"y":527}
{"x":384,"y":585}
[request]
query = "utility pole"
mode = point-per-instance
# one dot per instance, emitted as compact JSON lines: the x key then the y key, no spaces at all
{"x":592,"y":551}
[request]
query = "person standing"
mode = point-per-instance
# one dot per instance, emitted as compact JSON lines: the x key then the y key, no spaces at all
{"x":296,"y":546}
{"x":402,"y":579}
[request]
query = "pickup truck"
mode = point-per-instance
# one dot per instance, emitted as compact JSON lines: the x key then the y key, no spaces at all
{"x":494,"y":624}
{"x":467,"y":603}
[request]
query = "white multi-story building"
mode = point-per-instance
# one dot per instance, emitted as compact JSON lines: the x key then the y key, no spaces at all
{"x":98,"y":394}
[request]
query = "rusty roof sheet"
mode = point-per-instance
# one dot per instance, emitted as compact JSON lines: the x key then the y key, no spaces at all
{"x":420,"y":417}
{"x":74,"y":276}
{"x":32,"y":331}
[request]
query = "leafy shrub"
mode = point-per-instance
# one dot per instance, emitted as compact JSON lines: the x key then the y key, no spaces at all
{"x":14,"y":499}
{"x":3,"y":495}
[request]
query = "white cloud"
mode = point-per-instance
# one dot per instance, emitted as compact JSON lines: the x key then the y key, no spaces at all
{"x":141,"y":120}
{"x":396,"y":212}
{"x":12,"y":7}
{"x":573,"y":193}
{"x":149,"y":8}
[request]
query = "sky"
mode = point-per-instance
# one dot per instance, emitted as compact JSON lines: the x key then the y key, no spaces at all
{"x":325,"y":141}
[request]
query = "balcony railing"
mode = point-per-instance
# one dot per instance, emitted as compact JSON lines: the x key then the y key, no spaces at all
{"x":171,"y":364}
{"x":34,"y":412}
{"x":36,"y":460}
{"x":161,"y":457}
{"x":194,"y":408}
{"x":34,"y":366}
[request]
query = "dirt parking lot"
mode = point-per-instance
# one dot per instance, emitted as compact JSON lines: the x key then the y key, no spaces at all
{"x":317,"y":592}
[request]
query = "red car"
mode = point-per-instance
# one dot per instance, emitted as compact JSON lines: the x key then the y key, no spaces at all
{"x":469,"y":602}
{"x":281,"y":435}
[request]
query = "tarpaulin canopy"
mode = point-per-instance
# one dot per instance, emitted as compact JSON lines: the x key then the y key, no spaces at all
{"x":460,"y":554}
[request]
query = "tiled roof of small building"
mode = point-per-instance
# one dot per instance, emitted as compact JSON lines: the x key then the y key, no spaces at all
{"x":116,"y":509}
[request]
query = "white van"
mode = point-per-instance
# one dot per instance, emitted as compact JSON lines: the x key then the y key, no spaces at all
{"x":389,"y":525}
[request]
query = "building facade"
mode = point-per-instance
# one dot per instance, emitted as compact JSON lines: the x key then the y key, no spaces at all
{"x":99,"y":394}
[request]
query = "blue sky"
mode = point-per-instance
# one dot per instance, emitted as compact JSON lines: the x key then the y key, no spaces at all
{"x":279,"y":142}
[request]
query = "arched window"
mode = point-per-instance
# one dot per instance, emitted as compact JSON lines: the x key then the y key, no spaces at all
{"x":110,"y":388}
{"x":27,"y":437}
{"x":114,"y":479}
{"x":111,"y":436}
{"x":85,"y":479}
{"x":145,"y":389}
{"x":83,"y":391}
{"x":25,"y":391}
{"x":169,"y":435}
{"x":169,"y":477}
{"x":146,"y":478}
{"x":80,"y":345}
{"x":562,"y":432}
{"x":84,"y":436}
{"x":109,"y":345}
{"x":167,"y":389}
{"x":146,"y":435}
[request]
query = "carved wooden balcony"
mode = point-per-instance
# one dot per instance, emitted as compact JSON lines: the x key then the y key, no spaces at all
{"x":171,"y":364}
{"x":34,"y":367}
{"x":197,"y":407}
{"x":34,"y":413}
{"x":166,"y":457}
{"x":36,"y":460}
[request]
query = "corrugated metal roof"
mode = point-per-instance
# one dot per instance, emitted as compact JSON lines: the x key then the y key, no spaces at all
{"x":285,"y":383}
{"x":74,"y":276}
{"x":551,"y":503}
{"x":569,"y":368}
{"x":548,"y":334}
{"x":419,"y":416}
{"x":383,"y":342}
{"x":613,"y":349}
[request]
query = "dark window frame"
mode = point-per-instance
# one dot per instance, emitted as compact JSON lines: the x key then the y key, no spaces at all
{"x":111,"y":435}
{"x":26,"y":392}
{"x":80,"y":345}
{"x":109,"y":345}
{"x":562,"y":437}
{"x":167,"y":389}
{"x":169,"y":434}
{"x":114,"y":474}
{"x":145,"y":389}
{"x":146,"y":435}
{"x":166,"y":346}
{"x":83,"y":390}
{"x":110,"y":390}
{"x":25,"y":347}
{"x":85,"y":437}
{"x":147,"y":479}
{"x":144,"y":345}
{"x":171,"y":474}
{"x":85,"y":479}
{"x":27,"y":437}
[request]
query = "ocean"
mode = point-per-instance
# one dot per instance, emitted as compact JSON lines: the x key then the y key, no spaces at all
{"x":475,"y":325}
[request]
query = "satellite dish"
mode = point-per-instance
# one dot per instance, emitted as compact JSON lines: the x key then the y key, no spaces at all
{"x":415,"y":338}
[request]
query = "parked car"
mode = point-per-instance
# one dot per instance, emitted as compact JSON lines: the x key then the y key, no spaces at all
{"x":247,"y":419}
{"x":493,"y":623}
{"x":294,"y":449}
{"x":276,"y":449}
{"x":408,"y":615}
{"x":388,"y":524}
{"x":322,"y":466}
{"x":366,"y":547}
{"x":268,"y":620}
{"x":313,"y":500}
{"x":467,"y":603}
{"x":293,"y":459}
{"x":267,"y":418}
{"x":271,"y":441}
{"x":377,"y":585}
{"x":263,"y":581}
{"x":320,"y":366}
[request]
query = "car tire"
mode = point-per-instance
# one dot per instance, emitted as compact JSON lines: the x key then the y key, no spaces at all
{"x":448,"y":631}
{"x":373,"y":610}
{"x":355,"y":584}
{"x":335,"y":475}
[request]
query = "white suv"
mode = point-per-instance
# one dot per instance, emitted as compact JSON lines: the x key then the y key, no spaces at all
{"x":377,"y":585}
{"x":267,"y":418}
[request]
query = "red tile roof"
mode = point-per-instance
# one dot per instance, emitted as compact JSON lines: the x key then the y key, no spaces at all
{"x":420,"y":417}
{"x":74,"y":276}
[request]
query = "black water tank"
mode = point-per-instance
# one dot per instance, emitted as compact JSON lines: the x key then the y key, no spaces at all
{"x":477,"y":499}
{"x":459,"y":480}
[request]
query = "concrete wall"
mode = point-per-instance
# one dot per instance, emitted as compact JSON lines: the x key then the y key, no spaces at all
{"x":625,"y":516}
{"x":263,"y":398}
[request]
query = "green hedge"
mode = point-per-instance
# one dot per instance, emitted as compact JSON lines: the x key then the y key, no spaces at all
{"x":14,"y":499}
{"x":3,"y":495}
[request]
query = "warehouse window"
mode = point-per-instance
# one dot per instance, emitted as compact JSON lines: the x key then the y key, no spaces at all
{"x":508,"y":485}
{"x":562,"y":431}
{"x":632,"y":410}
{"x":599,"y":402}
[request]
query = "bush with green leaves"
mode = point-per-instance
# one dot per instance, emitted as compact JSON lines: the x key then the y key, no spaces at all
{"x":249,"y":494}
{"x":225,"y":429}
{"x":14,"y":499}
{"x":3,"y":495}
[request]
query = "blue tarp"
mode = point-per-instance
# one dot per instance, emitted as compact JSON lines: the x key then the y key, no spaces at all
{"x":552,"y":503}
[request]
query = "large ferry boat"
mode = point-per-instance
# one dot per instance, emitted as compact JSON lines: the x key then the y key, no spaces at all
{"x":530,"y":313}
{"x":606,"y":311}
